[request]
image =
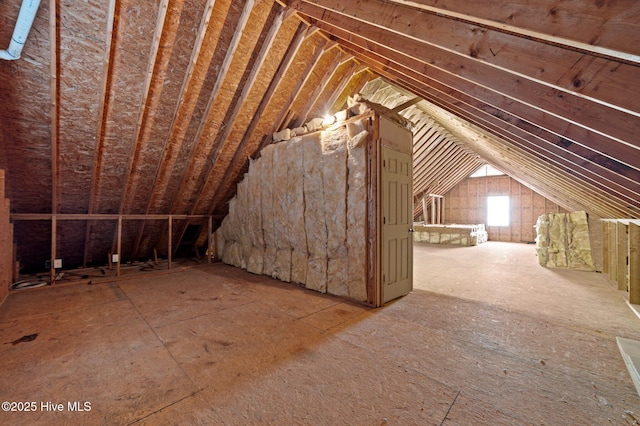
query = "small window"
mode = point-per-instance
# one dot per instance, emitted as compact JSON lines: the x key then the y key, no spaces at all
{"x":498,"y":210}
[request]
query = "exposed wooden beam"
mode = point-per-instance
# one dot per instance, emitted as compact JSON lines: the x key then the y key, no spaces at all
{"x":634,"y":263}
{"x":427,"y":83}
{"x":119,"y":245}
{"x":55,"y":148}
{"x":221,"y":76}
{"x":482,"y":51}
{"x":195,"y":54}
{"x":344,"y":81}
{"x":107,"y":70}
{"x":283,"y":68}
{"x":320,"y":49}
{"x":532,"y":174}
{"x":604,"y":31}
{"x":313,"y":98}
{"x":554,"y":186}
{"x":151,"y":63}
{"x":98,"y":216}
{"x":576,"y":118}
{"x":134,"y":146}
{"x":405,"y":105}
{"x":536,"y":141}
{"x":223,"y":135}
{"x":226,"y":64}
{"x":54,"y":248}
{"x":543,"y":178}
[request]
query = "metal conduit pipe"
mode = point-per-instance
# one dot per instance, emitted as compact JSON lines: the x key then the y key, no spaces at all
{"x":21,"y":31}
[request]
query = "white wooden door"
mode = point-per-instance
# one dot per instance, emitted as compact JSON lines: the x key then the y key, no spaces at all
{"x":397,"y":240}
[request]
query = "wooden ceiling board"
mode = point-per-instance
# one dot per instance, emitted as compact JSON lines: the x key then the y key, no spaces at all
{"x":326,"y":64}
{"x":613,"y":168}
{"x":354,"y":86}
{"x":594,"y":26}
{"x":516,"y":96}
{"x":261,"y":123}
{"x":269,"y":56}
{"x":25,"y":115}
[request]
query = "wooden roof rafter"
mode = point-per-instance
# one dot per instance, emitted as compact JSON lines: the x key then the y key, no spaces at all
{"x":230,"y":175}
{"x":436,"y":102}
{"x":542,"y":25}
{"x":107,"y":71}
{"x":540,"y":148}
{"x":559,"y":112}
{"x":134,"y":154}
{"x":186,"y":83}
{"x":223,"y":136}
{"x":418,"y":86}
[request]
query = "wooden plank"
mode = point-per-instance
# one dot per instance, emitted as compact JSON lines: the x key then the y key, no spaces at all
{"x":310,"y":65}
{"x":422,"y":81}
{"x":311,"y":81}
{"x":98,"y":216}
{"x":600,"y":176}
{"x":54,"y":239}
{"x":541,"y":184}
{"x":374,"y":214}
{"x":512,"y":69}
{"x":354,"y":69}
{"x":284,"y":66}
{"x":169,"y":241}
{"x":181,"y":104}
{"x":53,"y":81}
{"x":634,"y":263}
{"x":209,"y":240}
{"x":119,"y":245}
{"x":604,"y":30}
{"x":150,"y":75}
{"x":102,"y":107}
{"x":605,"y":247}
{"x":613,"y":251}
{"x":411,"y":68}
{"x":361,"y":76}
{"x":192,"y":178}
{"x":622,"y":267}
{"x":222,"y":136}
{"x":136,"y":140}
{"x":313,"y":97}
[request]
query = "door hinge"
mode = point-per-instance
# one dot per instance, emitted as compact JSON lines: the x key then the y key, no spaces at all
{"x":384,"y":220}
{"x":384,"y":164}
{"x":384,"y":278}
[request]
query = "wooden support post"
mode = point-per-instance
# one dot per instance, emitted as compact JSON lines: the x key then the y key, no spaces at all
{"x":438,"y":207}
{"x":16,"y":263}
{"x":613,"y":248}
{"x":52,"y":269}
{"x":433,"y":210}
{"x":424,"y":208}
{"x":169,"y":243}
{"x":119,"y":246}
{"x":442,"y":219}
{"x":155,"y":255}
{"x":605,"y":247}
{"x":634,"y":263}
{"x":209,"y":241}
{"x":622,"y":250}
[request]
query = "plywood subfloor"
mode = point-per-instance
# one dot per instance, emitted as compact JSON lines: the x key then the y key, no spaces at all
{"x":487,"y":338}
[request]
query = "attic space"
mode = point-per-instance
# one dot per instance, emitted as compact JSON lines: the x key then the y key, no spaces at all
{"x":376,"y":211}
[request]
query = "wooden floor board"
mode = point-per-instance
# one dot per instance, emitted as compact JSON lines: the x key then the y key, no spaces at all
{"x":487,"y":337}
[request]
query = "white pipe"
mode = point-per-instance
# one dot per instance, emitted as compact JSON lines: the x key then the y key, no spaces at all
{"x":21,"y":31}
